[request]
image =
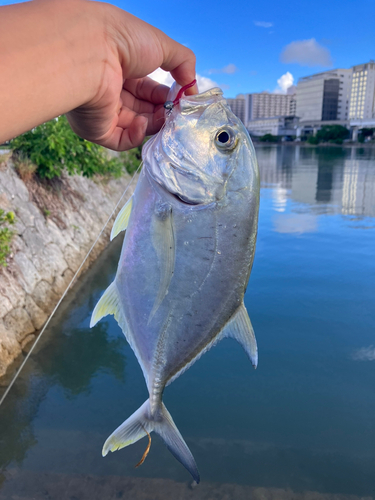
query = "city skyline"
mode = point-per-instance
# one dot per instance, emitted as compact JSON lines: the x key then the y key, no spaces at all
{"x":253,"y":46}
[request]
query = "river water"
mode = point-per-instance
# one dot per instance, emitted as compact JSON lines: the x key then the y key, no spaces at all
{"x":301,"y":426}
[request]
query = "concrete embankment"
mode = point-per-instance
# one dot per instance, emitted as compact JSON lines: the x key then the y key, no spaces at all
{"x":56,"y":224}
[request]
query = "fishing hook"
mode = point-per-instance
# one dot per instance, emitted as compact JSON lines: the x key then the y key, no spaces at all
{"x":169,"y":105}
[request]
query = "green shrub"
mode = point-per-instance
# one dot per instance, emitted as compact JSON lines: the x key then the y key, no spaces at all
{"x":312,"y":139}
{"x":53,"y":147}
{"x":332,"y":133}
{"x":132,"y":158}
{"x":6,"y":235}
{"x":269,"y":138}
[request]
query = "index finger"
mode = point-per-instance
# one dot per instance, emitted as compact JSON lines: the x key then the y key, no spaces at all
{"x":179,"y":61}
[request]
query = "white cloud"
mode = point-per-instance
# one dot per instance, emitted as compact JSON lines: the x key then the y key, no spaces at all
{"x":205,"y":83}
{"x":229,"y":69}
{"x":295,"y":223}
{"x":283,"y":83}
{"x":365,"y":354}
{"x":165,"y":78}
{"x":306,"y":53}
{"x":161,"y":76}
{"x":263,"y":24}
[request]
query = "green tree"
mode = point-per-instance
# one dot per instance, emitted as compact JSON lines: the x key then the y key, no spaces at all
{"x":332,"y":133}
{"x":132,"y":158}
{"x":269,"y":138}
{"x":365,"y":132}
{"x":54,"y":147}
{"x":312,"y":139}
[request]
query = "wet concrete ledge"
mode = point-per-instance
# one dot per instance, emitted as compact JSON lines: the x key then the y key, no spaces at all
{"x":25,"y":485}
{"x":55,"y":227}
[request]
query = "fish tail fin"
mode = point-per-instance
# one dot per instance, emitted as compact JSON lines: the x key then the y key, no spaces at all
{"x":171,"y":436}
{"x":141,"y":423}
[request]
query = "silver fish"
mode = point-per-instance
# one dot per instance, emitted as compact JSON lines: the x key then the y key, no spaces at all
{"x":189,"y":246}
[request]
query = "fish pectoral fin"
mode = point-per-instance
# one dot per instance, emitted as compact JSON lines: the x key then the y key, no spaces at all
{"x":108,"y":304}
{"x":164,"y":244}
{"x":141,"y":424}
{"x":239,"y":327}
{"x":122,"y":219}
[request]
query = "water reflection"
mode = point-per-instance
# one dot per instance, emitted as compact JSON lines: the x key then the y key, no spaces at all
{"x":69,"y":356}
{"x":304,"y":421}
{"x":328,"y":180}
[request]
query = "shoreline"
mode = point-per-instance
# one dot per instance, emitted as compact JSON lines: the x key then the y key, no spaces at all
{"x":55,"y":226}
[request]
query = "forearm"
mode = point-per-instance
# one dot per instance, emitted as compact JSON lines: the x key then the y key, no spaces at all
{"x":49,"y":58}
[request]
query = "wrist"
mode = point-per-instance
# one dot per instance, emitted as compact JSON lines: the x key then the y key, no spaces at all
{"x":80,"y":30}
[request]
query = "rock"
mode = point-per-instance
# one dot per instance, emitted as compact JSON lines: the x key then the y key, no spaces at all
{"x":9,"y":348}
{"x":37,"y":316}
{"x":11,"y":288}
{"x":44,"y":297}
{"x":5,"y":306}
{"x":19,"y":323}
{"x":25,"y":344}
{"x":29,"y":276}
{"x":62,"y":282}
{"x":46,"y":253}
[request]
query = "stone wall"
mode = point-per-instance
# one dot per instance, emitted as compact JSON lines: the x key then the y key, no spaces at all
{"x":56,"y":224}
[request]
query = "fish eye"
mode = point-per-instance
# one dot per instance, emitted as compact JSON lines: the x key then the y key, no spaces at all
{"x":225,"y":139}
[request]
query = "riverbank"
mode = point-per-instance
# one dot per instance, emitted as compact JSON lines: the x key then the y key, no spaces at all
{"x":23,"y":485}
{"x":55,"y":225}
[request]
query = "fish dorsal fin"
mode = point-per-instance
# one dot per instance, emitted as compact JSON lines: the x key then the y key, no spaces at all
{"x":108,"y":304}
{"x":122,"y":219}
{"x":164,"y":244}
{"x":239,"y":327}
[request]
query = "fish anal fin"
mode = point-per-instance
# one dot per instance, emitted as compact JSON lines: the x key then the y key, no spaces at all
{"x":239,"y":327}
{"x":122,"y":219}
{"x":108,"y":304}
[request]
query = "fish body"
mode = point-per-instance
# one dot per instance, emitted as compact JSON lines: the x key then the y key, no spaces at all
{"x":187,"y":255}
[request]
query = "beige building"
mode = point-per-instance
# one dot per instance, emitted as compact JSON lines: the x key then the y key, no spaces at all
{"x":266,"y":105}
{"x":237,"y":105}
{"x":251,"y":107}
{"x":324,"y":96}
{"x":362,"y":95}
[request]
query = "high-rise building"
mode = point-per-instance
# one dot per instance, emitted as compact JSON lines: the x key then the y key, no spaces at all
{"x":250,"y":107}
{"x":362,"y":95}
{"x":324,"y":96}
{"x":237,"y":105}
{"x":266,"y":105}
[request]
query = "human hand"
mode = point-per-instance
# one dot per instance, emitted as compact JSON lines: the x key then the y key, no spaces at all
{"x":127,"y":105}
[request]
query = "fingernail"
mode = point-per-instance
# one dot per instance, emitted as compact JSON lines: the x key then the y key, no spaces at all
{"x":144,"y":123}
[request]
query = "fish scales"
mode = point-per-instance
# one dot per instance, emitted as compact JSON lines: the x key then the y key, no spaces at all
{"x":186,"y":257}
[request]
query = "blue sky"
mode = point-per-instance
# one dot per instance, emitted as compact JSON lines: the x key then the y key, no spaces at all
{"x":258,"y":42}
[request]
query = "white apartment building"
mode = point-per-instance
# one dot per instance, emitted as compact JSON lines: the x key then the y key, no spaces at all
{"x":237,"y":105}
{"x":251,"y":107}
{"x":324,"y":96}
{"x":362,"y":95}
{"x":266,"y":105}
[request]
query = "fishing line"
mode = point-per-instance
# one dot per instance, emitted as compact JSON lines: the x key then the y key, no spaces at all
{"x":73,"y":279}
{"x":67,"y":289}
